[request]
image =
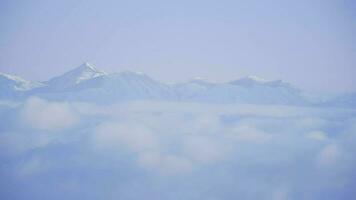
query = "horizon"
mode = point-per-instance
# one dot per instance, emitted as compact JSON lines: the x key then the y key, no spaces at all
{"x":94,"y":67}
{"x":253,"y":77}
{"x":308,"y":44}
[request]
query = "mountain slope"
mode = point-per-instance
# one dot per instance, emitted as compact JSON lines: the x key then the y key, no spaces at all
{"x":344,"y":100}
{"x":245,"y":90}
{"x":74,"y":77}
{"x":87,"y":83}
{"x":13,"y":86}
{"x":257,"y":90}
{"x":122,"y":86}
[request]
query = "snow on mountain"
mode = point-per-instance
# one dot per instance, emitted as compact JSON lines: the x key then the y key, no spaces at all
{"x":136,"y":85}
{"x":245,"y":90}
{"x":12,"y":86}
{"x":70,"y":79}
{"x":87,"y":83}
{"x":16,"y":82}
{"x":191,"y":89}
{"x":122,"y":86}
{"x":251,"y":81}
{"x":257,"y":90}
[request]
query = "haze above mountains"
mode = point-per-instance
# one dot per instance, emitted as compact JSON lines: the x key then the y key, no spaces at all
{"x":89,"y":84}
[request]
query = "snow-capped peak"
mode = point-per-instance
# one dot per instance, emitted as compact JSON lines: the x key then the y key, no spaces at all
{"x":82,"y":73}
{"x":88,"y":71}
{"x":254,"y":80}
{"x":17,"y":82}
{"x":12,"y":77}
{"x":132,"y":76}
{"x":88,"y":67}
{"x":87,"y":83}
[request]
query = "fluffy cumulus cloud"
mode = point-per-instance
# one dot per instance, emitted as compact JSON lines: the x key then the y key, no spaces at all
{"x":160,"y":150}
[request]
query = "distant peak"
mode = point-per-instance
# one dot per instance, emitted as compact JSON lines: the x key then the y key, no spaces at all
{"x":88,"y":66}
{"x":19,"y":83}
{"x":255,"y":78}
{"x":12,"y":77}
{"x":82,"y":73}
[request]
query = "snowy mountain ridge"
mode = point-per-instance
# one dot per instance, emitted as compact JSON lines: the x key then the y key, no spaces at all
{"x":87,"y":83}
{"x":17,"y":82}
{"x":82,"y":73}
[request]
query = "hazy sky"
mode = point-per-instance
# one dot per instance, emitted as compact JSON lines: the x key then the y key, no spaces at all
{"x":310,"y":43}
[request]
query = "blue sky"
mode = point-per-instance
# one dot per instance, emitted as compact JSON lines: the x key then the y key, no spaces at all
{"x":308,"y":43}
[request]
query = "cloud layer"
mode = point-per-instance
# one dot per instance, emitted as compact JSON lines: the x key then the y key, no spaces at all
{"x":157,"y":150}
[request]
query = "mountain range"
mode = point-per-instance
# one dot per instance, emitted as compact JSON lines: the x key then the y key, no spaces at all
{"x":89,"y":84}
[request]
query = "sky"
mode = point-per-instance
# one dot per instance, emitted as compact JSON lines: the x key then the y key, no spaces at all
{"x":310,"y":44}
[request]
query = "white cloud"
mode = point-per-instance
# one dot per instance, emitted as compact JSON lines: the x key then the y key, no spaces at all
{"x":182,"y":150}
{"x":204,"y":149}
{"x":317,"y":135}
{"x":329,"y":155}
{"x":111,"y":137}
{"x":43,"y":115}
{"x":250,"y":134}
{"x":132,"y":136}
{"x":32,"y":166}
{"x":165,"y":163}
{"x":16,"y":143}
{"x":281,"y":193}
